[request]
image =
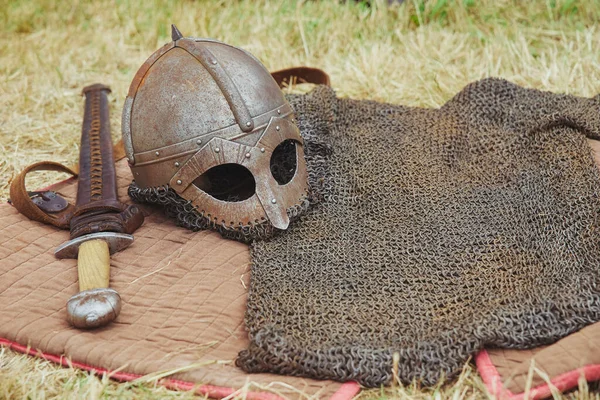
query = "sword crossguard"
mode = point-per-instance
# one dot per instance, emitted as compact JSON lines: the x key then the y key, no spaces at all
{"x":116,"y":242}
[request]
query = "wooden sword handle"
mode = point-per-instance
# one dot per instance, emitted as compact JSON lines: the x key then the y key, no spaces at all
{"x":96,"y":304}
{"x":93,"y":265}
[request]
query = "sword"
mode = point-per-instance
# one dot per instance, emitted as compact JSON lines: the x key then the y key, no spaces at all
{"x":100,"y":223}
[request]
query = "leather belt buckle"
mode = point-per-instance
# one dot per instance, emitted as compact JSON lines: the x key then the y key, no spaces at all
{"x":48,"y":201}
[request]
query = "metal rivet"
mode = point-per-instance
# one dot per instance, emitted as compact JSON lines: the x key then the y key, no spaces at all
{"x":157,"y":153}
{"x":262,"y":149}
{"x":248,"y":123}
{"x":199,"y":142}
{"x":217,"y":150}
{"x":277,"y":128}
{"x":274,"y":201}
{"x":214,"y":62}
{"x":247,"y":155}
{"x":278,"y":111}
{"x":179,"y":181}
{"x":177,"y":164}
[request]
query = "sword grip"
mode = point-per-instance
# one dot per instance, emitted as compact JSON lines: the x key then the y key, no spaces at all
{"x":93,"y":265}
{"x":96,"y":304}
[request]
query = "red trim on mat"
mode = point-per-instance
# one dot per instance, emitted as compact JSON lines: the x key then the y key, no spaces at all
{"x":491,"y":377}
{"x":345,"y":392}
{"x":209,"y":390}
{"x":563,"y":382}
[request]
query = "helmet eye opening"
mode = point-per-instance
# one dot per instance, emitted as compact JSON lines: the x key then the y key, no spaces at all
{"x":227,"y":182}
{"x":284,"y":162}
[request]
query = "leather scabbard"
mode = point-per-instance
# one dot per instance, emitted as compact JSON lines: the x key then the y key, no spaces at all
{"x":98,"y":208}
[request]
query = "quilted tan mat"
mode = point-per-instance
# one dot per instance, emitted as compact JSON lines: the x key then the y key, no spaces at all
{"x":184,"y":297}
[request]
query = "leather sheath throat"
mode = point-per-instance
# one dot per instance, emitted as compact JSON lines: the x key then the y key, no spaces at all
{"x":97,"y":208}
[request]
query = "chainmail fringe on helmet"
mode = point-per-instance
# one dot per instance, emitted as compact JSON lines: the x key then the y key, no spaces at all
{"x":186,"y":214}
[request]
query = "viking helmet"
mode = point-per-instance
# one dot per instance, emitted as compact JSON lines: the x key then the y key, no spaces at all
{"x":208,"y":134}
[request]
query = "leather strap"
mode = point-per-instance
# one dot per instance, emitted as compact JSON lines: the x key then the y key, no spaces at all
{"x":20,"y":198}
{"x":288,"y":76}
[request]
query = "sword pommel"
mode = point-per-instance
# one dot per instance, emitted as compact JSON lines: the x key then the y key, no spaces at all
{"x":93,"y":308}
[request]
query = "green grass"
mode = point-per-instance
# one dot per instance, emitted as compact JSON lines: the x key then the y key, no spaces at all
{"x":419,"y":53}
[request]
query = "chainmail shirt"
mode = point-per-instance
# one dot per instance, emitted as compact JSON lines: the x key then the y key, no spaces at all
{"x":431,"y":233}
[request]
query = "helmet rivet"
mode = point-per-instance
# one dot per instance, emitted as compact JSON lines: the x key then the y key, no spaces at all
{"x":248,"y":123}
{"x":247,"y":155}
{"x":274,"y":201}
{"x":278,"y":111}
{"x":157,"y":153}
{"x":217,"y":150}
{"x":214,"y":62}
{"x":199,"y":142}
{"x":179,"y":181}
{"x":277,"y":128}
{"x":262,"y":149}
{"x":177,"y":163}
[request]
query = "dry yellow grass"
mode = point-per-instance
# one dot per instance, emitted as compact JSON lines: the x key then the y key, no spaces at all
{"x":419,"y":53}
